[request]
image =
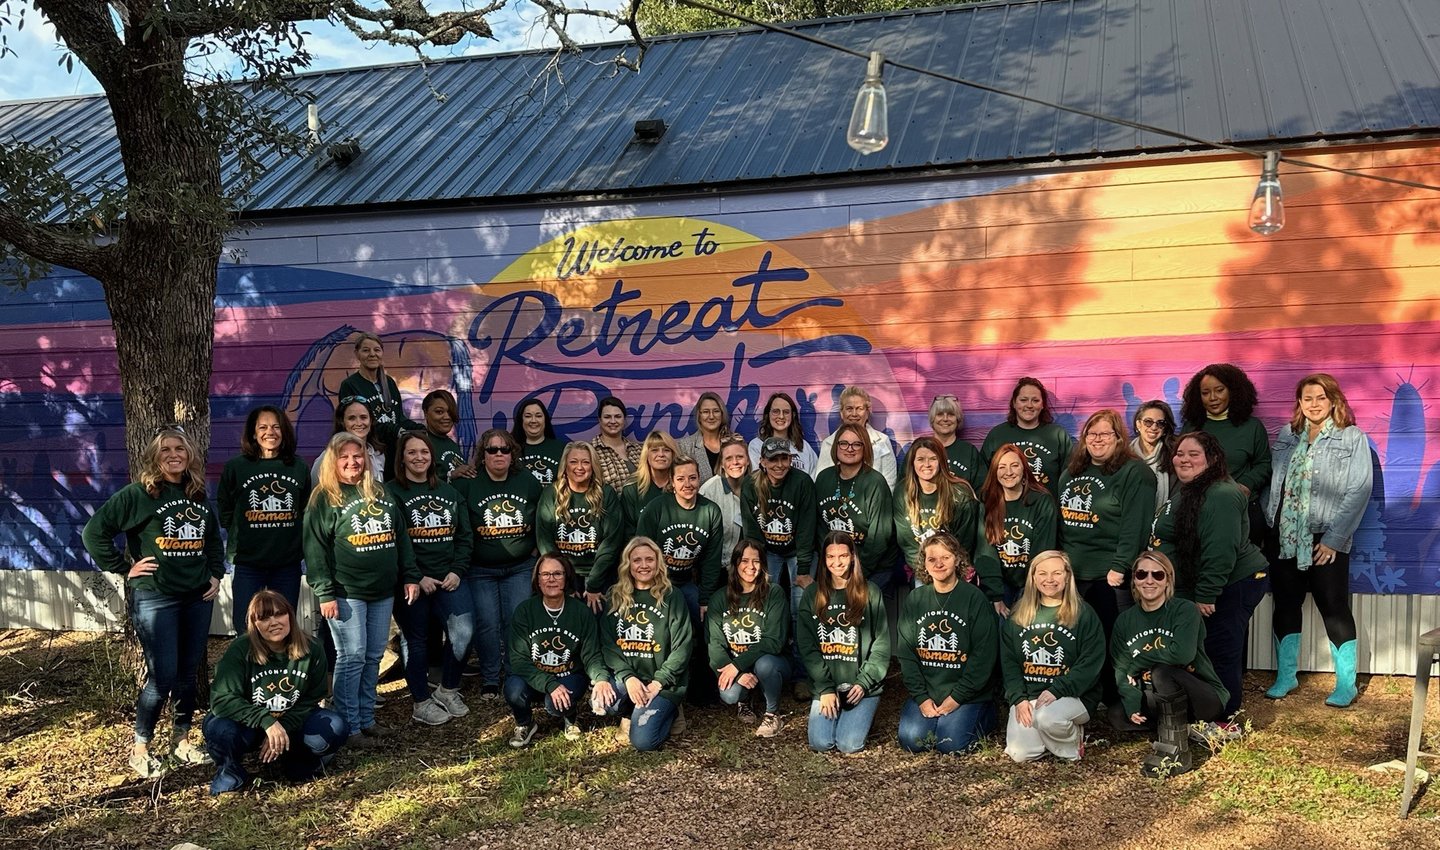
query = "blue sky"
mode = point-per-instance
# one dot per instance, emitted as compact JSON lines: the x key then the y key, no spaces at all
{"x":34,"y":71}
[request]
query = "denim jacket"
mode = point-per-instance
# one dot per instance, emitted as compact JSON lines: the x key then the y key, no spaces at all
{"x":1339,"y":489}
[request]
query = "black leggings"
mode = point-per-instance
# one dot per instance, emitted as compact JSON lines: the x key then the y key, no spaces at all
{"x":1328,"y":583}
{"x":1106,"y":602}
{"x":1167,"y":682}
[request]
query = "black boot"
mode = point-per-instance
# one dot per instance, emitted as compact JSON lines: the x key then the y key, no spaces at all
{"x":1170,"y":754}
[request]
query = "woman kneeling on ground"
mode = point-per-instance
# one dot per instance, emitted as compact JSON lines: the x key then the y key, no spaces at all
{"x":947,"y":646}
{"x":1051,"y":652}
{"x":747,"y":621}
{"x":266,"y":695}
{"x":1165,"y":679}
{"x":554,"y":652}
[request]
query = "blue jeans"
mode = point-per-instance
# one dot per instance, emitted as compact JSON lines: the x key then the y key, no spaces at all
{"x":172,"y":632}
{"x":497,"y":593}
{"x":956,"y":732}
{"x":457,"y":611}
{"x":772,"y":671}
{"x":846,"y":732}
{"x":691,"y":592}
{"x":249,"y":580}
{"x":649,"y":725}
{"x":360,"y":633}
{"x":787,"y":565}
{"x":521,"y":697}
{"x":228,"y":741}
{"x":1227,"y":631}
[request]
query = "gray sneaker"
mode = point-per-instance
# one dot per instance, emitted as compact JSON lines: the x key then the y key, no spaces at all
{"x":430,"y":712}
{"x":573,"y":732}
{"x":522,"y":736}
{"x":770,"y":726}
{"x":451,"y":702}
{"x":745,"y":713}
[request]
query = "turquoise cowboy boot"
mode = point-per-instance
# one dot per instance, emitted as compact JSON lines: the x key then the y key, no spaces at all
{"x":1287,"y":659}
{"x":1344,"y":692}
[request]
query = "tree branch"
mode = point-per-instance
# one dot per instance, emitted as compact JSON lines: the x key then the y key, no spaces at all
{"x":85,"y":27}
{"x":53,"y":244}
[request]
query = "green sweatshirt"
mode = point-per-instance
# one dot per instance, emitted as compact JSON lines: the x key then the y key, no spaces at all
{"x":358,"y":550}
{"x":860,"y":506}
{"x":1046,"y":448}
{"x":282,"y":690}
{"x":447,"y":453}
{"x":967,"y":523}
{"x":966,"y":463}
{"x":1172,"y":634}
{"x":543,"y":459}
{"x":947,"y":644}
{"x":438,"y":526}
{"x":1226,"y":553}
{"x":1247,"y":451}
{"x":1048,"y":656}
{"x":592,"y":543}
{"x":180,"y":533}
{"x":836,"y":651}
{"x":1030,"y":527}
{"x":1105,"y":519}
{"x":651,"y":642}
{"x":261,"y":502}
{"x":388,"y":420}
{"x":787,"y":522}
{"x":503,"y":515}
{"x":744,"y":634}
{"x":632,"y":504}
{"x":691,"y":541}
{"x":544,"y":648}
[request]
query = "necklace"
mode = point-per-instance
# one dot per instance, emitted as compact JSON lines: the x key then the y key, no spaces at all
{"x":553,"y":612}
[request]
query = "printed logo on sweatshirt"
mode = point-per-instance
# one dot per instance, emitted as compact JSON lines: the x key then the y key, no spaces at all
{"x":779,"y":528}
{"x":277,"y":690}
{"x":575,"y":533}
{"x":1077,"y":501}
{"x":542,"y":467}
{"x":271,"y":501}
{"x":551,"y":649}
{"x":373,"y":526}
{"x":937,"y":642}
{"x":431,"y":520}
{"x":743,"y":628}
{"x":1014,"y":550}
{"x":182,"y":531}
{"x":1044,"y":652}
{"x":1150,"y":640}
{"x":839,"y":638}
{"x":681,"y":545}
{"x":635,"y":632}
{"x":502,"y":517}
{"x":1036,"y":456}
{"x":838,"y":513}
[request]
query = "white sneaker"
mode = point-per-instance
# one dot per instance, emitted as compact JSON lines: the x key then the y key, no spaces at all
{"x":451,"y":702}
{"x":523,"y":734}
{"x":430,"y":712}
{"x":573,"y":732}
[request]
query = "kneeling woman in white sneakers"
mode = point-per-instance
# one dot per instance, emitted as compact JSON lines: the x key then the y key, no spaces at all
{"x":554,"y":652}
{"x":1051,"y":652}
{"x":747,"y":623}
{"x":646,"y":638}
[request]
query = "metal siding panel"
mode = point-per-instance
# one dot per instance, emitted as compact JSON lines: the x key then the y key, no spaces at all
{"x":1388,"y":627}
{"x":1075,"y":135}
{"x":1404,"y":40}
{"x":1278,"y":63}
{"x":1119,"y":75}
{"x":1240,"y":85}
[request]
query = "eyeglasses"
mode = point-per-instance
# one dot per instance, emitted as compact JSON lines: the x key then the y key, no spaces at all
{"x":1153,"y":423}
{"x":849,"y":444}
{"x":497,"y":450}
{"x":1142,"y":575}
{"x":1100,"y":435}
{"x":552,"y":575}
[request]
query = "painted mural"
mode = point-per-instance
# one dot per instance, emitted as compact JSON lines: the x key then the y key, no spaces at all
{"x":1112,"y":285}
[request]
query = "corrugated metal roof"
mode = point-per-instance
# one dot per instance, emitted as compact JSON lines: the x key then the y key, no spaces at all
{"x":748,"y":105}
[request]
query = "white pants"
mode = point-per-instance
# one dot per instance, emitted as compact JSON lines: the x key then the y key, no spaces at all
{"x":1057,"y":728}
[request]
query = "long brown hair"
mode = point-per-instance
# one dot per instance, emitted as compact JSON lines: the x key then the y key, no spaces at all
{"x":264,"y":605}
{"x":946,"y":485}
{"x":856,"y":590}
{"x":1340,"y":411}
{"x":992,"y":493}
{"x":1187,"y":512}
{"x":734,"y":588}
{"x":1080,"y":459}
{"x":796,"y":434}
{"x":867,"y":452}
{"x":192,"y":481}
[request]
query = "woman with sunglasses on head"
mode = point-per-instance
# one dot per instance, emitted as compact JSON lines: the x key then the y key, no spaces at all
{"x":1205,"y":531}
{"x":1030,"y":424}
{"x":266,"y":696}
{"x":503,"y":502}
{"x":617,"y":454}
{"x":947,"y":420}
{"x":747,"y":623}
{"x":844,"y":638}
{"x":554,"y":653}
{"x":851,"y":496}
{"x":1154,"y":443}
{"x":1318,"y":492}
{"x":579,"y":517}
{"x":723,"y":488}
{"x":357,"y":552}
{"x":929,"y":499}
{"x":1164,"y":677}
{"x":172,"y":562}
{"x":650,"y":482}
{"x":353,"y":417}
{"x":947,"y":645}
{"x":262,"y":496}
{"x":540,"y":449}
{"x":712,"y":424}
{"x":782,"y":419}
{"x":438,"y":524}
{"x":1052,"y":650}
{"x":441,"y":417}
{"x":1019,"y":521}
{"x":1221,"y":399}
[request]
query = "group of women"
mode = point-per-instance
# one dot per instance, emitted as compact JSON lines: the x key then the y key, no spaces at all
{"x":1051,"y":575}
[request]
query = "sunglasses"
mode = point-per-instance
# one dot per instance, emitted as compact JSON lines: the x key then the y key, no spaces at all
{"x":172,"y":428}
{"x":946,"y":397}
{"x":497,"y":450}
{"x":1154,"y":423}
{"x":1143,"y":574}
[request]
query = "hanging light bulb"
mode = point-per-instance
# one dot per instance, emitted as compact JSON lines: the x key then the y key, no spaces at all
{"x":1267,"y":209}
{"x":869,"y":123}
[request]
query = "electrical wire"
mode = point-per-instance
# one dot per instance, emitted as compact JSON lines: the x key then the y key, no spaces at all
{"x":1074,"y":110}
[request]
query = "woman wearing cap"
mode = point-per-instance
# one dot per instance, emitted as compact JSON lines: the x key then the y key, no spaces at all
{"x":723,"y":488}
{"x":712,"y":424}
{"x":540,"y":449}
{"x":777,"y":507}
{"x":947,"y":420}
{"x":1030,"y":424}
{"x":782,"y":419}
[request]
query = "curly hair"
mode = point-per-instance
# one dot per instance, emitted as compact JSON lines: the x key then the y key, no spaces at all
{"x":1046,"y":417}
{"x":1243,"y":395}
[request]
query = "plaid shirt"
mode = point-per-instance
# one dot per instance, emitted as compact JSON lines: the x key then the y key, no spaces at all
{"x":618,"y":471}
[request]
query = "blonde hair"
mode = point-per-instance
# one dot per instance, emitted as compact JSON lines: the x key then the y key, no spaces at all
{"x":622,"y":593}
{"x":1162,"y":560}
{"x":594,"y":494}
{"x":327,"y":481}
{"x":1029,"y":604}
{"x":642,"y":470}
{"x":192,"y":481}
